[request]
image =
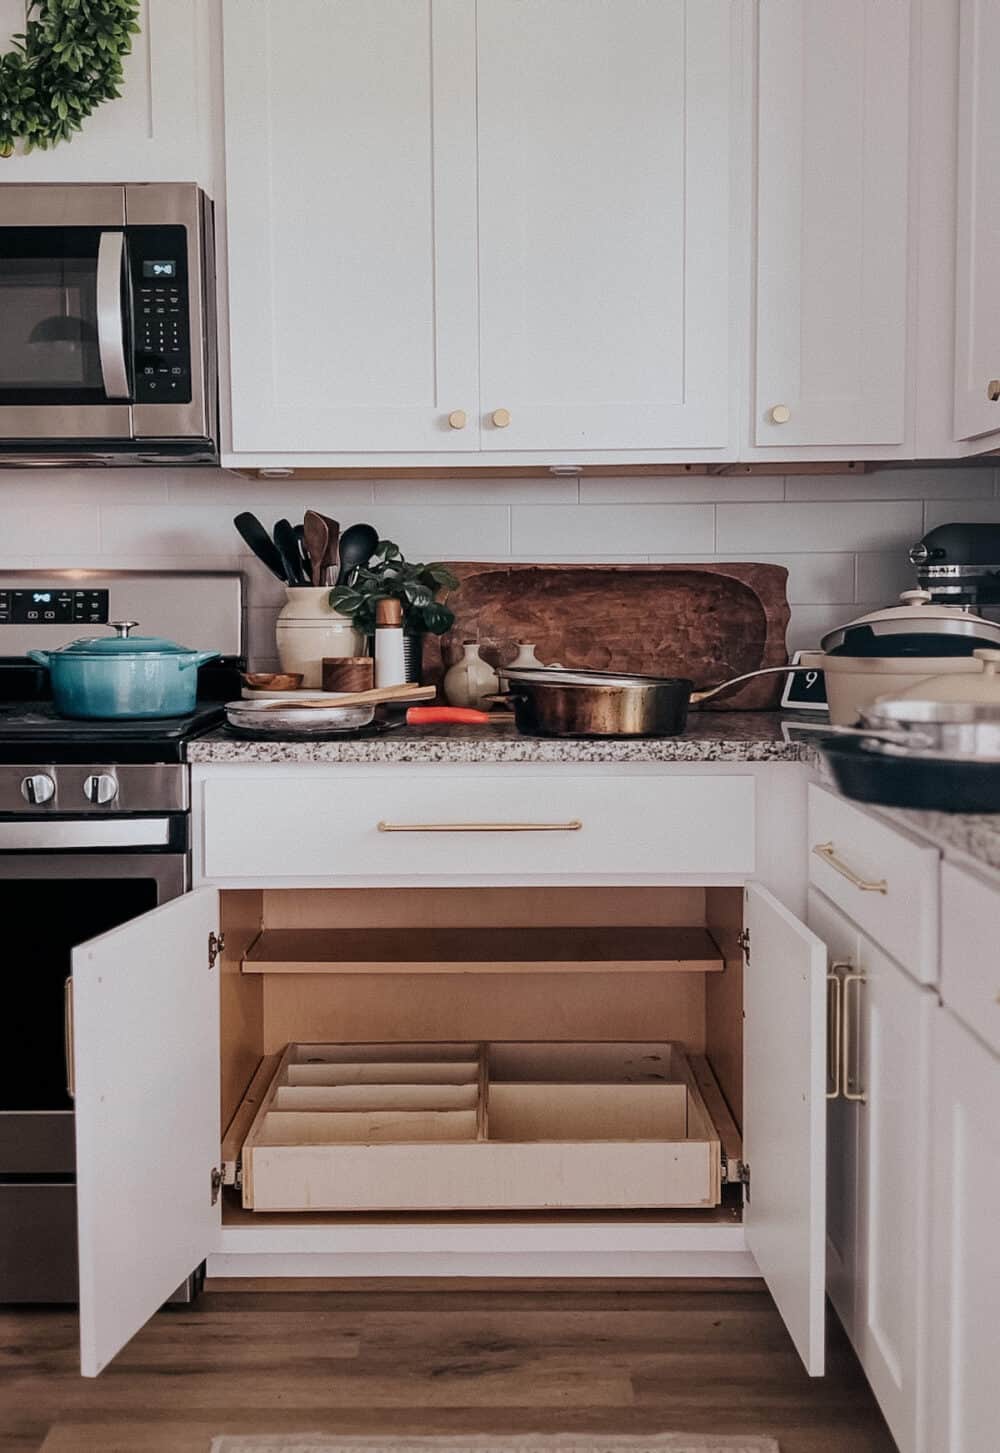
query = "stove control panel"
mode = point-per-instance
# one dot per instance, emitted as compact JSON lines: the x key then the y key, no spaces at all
{"x":53,"y":606}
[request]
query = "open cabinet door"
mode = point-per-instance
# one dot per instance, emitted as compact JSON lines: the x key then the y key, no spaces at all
{"x":146,"y":1069}
{"x":784,"y":1115}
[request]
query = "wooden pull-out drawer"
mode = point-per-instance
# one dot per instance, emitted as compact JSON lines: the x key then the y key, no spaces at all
{"x":314,"y":825}
{"x":886,"y":883}
{"x":484,"y":1128}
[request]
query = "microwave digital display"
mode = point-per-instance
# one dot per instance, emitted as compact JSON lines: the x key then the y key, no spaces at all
{"x":159,"y":269}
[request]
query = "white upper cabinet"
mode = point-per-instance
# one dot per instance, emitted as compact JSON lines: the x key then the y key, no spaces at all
{"x":977,"y":274}
{"x":162,"y":128}
{"x":604,"y":139}
{"x":351,"y":183}
{"x":832,"y":224}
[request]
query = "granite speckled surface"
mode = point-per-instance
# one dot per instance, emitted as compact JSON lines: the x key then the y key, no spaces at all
{"x":974,"y":835}
{"x":720,"y":736}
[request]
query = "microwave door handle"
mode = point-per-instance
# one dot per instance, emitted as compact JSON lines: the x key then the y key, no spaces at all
{"x":111,"y":315}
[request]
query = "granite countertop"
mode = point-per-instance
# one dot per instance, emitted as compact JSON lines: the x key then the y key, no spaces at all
{"x":711,"y":736}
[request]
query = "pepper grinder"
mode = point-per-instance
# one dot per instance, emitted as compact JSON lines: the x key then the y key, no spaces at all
{"x":390,"y":667}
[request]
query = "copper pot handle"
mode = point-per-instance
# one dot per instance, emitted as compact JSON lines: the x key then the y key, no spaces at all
{"x":697,"y":696}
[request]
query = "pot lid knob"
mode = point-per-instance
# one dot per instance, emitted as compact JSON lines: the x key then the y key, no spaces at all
{"x":916,"y":597}
{"x":990,"y":660}
{"x":123,"y":629}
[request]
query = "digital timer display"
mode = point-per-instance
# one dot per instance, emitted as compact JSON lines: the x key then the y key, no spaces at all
{"x":163,"y":269}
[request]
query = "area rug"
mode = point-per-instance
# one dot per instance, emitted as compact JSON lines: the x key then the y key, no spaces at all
{"x":523,"y":1443}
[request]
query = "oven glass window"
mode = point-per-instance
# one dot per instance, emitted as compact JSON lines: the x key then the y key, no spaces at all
{"x":44,"y":920}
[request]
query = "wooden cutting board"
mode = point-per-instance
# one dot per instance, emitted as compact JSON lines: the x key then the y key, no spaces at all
{"x":705,"y":622}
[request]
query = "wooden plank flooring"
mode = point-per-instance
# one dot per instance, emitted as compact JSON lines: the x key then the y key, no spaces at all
{"x":629,"y":1357}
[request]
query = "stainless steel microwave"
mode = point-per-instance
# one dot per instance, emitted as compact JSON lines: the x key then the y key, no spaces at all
{"x":107,"y":324}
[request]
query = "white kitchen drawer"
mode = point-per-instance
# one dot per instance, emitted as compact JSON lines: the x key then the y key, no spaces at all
{"x":970,"y":951}
{"x":883,"y":880}
{"x":434,"y":1127}
{"x":317,"y":825}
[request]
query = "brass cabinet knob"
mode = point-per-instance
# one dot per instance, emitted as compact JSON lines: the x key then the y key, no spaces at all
{"x":501,"y":418}
{"x":993,"y":390}
{"x":456,"y":419}
{"x":780,"y":414}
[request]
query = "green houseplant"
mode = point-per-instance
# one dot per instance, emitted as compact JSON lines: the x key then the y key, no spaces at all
{"x":387,"y":576}
{"x":65,"y":63}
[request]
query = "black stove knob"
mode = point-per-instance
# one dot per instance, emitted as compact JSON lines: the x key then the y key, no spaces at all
{"x":100,"y":789}
{"x":38,"y":789}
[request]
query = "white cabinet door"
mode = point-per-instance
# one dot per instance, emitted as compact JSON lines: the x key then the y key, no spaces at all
{"x":163,"y":126}
{"x":889,"y":1017}
{"x":351,"y":185}
{"x":843,"y":1132}
{"x":977,"y":290}
{"x":784,"y":1115}
{"x":604,"y":161}
{"x":146,"y":1059}
{"x":833,"y":112}
{"x":965,"y":1353}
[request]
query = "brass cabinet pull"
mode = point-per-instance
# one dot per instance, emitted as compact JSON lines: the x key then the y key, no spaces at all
{"x":834,"y":1038}
{"x":500,"y":418}
{"x":780,"y":414}
{"x":858,"y":1096}
{"x":573,"y":826}
{"x":827,"y":853}
{"x":457,"y":419}
{"x":68,"y":1038}
{"x":993,"y":390}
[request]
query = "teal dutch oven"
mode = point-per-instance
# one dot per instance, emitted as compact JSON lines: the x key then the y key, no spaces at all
{"x":120,"y":676}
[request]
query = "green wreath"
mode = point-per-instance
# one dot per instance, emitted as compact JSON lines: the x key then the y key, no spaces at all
{"x":67,"y":61}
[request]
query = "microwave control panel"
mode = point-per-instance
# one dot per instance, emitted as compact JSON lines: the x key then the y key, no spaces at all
{"x":162,"y":314}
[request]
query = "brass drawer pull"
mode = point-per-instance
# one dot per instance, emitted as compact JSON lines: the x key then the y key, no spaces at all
{"x":68,"y":1038}
{"x":827,"y":853}
{"x":835,"y":1033}
{"x":573,"y":826}
{"x":858,"y":1095}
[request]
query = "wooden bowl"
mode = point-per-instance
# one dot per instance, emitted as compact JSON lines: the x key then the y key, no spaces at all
{"x":272,"y":681}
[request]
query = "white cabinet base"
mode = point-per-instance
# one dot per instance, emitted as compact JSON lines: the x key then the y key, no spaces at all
{"x":553,"y":1247}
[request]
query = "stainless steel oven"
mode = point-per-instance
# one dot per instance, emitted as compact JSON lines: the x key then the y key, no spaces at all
{"x":63,"y":879}
{"x":107,"y":343}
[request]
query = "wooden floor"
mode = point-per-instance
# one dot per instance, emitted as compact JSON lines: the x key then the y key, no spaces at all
{"x":626,"y":1358}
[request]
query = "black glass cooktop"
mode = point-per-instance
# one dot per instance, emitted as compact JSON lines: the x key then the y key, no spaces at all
{"x":31,"y":730}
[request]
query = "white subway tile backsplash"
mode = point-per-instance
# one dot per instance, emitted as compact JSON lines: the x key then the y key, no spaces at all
{"x":543,"y":490}
{"x":966,"y":510}
{"x":171,"y":529}
{"x":842,"y":538}
{"x":883,"y":577}
{"x":917,"y":483}
{"x":862,"y":525}
{"x":810,"y":623}
{"x":447,"y":532}
{"x":610,"y":529}
{"x":681,"y":489}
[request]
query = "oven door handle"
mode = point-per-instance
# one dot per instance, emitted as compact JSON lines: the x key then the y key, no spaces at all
{"x":111,"y":315}
{"x":68,"y":1038}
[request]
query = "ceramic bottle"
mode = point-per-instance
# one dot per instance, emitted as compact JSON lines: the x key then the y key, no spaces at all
{"x":470,"y":679}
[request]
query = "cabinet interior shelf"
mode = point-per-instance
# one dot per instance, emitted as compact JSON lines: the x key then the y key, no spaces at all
{"x":482,"y":951}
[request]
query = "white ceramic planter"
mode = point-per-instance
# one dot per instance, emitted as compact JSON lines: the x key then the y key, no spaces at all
{"x":307,"y":630}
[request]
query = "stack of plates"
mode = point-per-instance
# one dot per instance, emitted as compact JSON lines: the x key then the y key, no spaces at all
{"x":275,"y":714}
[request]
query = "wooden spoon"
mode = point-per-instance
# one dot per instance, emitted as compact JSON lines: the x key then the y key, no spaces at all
{"x":404,"y":692}
{"x":317,"y":540}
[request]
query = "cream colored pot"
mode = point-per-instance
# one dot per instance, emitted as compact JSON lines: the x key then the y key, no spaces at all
{"x":853,"y":683}
{"x":308,"y":630}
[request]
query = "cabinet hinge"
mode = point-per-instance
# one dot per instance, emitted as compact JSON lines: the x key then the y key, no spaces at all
{"x":744,"y":942}
{"x":216,"y":943}
{"x":736,"y":1173}
{"x":217,"y":1174}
